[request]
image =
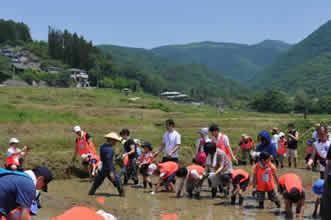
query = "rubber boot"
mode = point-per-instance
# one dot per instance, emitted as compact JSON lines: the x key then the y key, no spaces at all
{"x":261,"y":205}
{"x":121,"y":191}
{"x":190,"y":194}
{"x":150,"y":185}
{"x":277,"y":203}
{"x":213,"y":192}
{"x":241,"y":200}
{"x":233,"y":200}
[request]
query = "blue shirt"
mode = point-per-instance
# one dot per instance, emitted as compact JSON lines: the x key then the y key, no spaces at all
{"x":16,"y":191}
{"x":106,"y":154}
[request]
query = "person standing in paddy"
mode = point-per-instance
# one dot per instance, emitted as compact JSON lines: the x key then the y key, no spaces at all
{"x":246,"y":144}
{"x":292,"y":145}
{"x":108,"y":169}
{"x":222,"y":142}
{"x":170,"y":143}
{"x":320,"y":150}
{"x":281,"y":150}
{"x":264,"y":179}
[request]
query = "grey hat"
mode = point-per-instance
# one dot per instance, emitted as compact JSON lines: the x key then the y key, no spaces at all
{"x":203,"y":131}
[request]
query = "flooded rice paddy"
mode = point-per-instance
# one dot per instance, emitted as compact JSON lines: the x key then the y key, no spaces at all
{"x":140,"y":204}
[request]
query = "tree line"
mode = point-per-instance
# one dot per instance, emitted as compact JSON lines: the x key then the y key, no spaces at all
{"x":12,"y":31}
{"x":70,"y":48}
{"x":278,"y":101}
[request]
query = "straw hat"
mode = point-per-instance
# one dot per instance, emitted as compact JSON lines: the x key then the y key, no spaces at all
{"x":113,"y":136}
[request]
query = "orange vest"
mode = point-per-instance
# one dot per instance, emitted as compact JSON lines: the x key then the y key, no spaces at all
{"x":148,"y":158}
{"x":82,"y":145}
{"x":13,"y":160}
{"x":282,"y":148}
{"x":222,"y":147}
{"x":264,"y":178}
{"x":196,"y":167}
{"x":248,"y":145}
{"x":290,"y":181}
{"x":240,"y":172}
{"x":170,"y":167}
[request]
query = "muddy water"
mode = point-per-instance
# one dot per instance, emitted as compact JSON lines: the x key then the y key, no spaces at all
{"x":140,"y":204}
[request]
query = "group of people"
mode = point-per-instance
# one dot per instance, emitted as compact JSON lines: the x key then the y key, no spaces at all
{"x":212,"y":162}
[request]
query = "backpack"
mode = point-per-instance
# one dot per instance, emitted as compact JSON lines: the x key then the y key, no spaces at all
{"x":201,"y":156}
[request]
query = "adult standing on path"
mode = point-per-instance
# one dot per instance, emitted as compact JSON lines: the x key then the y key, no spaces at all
{"x":292,"y":145}
{"x":171,"y":143}
{"x":18,"y":189}
{"x":222,"y":142}
{"x":108,"y":169}
{"x":326,"y":201}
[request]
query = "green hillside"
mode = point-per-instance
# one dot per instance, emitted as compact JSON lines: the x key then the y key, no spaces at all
{"x":306,"y":65}
{"x":238,"y":61}
{"x":192,"y":78}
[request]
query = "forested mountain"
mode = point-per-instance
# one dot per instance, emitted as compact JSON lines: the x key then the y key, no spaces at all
{"x":193,"y":78}
{"x":306,"y":65}
{"x":237,"y":61}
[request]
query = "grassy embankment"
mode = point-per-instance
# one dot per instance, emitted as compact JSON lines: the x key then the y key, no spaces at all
{"x":43,"y":118}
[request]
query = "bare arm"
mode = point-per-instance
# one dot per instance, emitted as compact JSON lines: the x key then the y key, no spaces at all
{"x":75,"y":155}
{"x":132,"y":150}
{"x":158,"y":185}
{"x":254,"y":176}
{"x":312,"y":158}
{"x":274,"y":175}
{"x":219,"y":169}
{"x":174,"y":150}
{"x":160,"y":150}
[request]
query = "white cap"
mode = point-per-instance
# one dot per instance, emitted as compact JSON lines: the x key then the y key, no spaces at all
{"x":194,"y":173}
{"x":137,"y":141}
{"x":14,"y":141}
{"x":76,"y":129}
{"x":151,"y":168}
{"x":281,"y":134}
{"x":203,"y":131}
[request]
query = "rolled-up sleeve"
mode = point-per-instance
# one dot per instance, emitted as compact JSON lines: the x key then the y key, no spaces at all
{"x":178,"y":139}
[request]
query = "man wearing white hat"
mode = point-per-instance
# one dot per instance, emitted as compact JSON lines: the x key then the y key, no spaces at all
{"x":108,"y":169}
{"x":83,"y":145}
{"x":15,"y":155}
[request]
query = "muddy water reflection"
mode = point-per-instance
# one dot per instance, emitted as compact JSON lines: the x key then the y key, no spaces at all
{"x":139,"y":204}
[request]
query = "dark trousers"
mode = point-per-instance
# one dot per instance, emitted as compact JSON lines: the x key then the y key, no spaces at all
{"x":101,"y":177}
{"x":130,"y":171}
{"x":326,"y":200}
{"x":166,"y":159}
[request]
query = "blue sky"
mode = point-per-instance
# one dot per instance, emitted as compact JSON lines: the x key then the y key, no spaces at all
{"x":151,"y":23}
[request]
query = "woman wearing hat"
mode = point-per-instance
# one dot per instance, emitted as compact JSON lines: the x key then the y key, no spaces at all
{"x":108,"y":169}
